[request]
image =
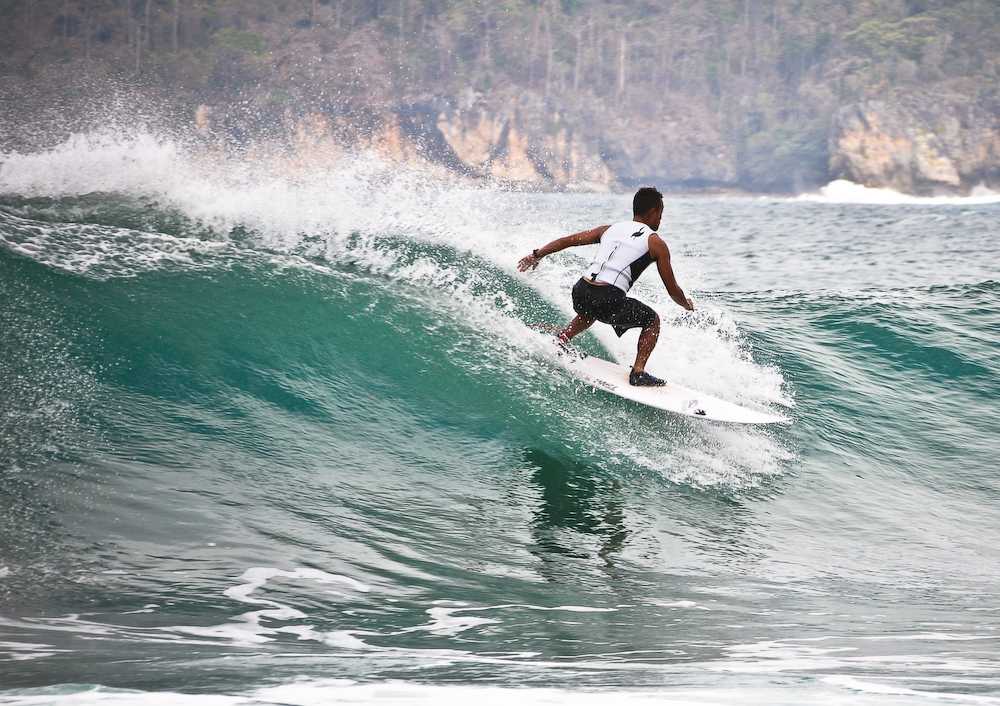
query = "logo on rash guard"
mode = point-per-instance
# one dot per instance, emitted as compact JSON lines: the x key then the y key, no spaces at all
{"x":637,"y":233}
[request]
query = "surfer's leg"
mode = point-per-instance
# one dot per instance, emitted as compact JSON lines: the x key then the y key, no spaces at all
{"x":578,"y":325}
{"x":647,"y":342}
{"x":632,"y":313}
{"x":583,"y":305}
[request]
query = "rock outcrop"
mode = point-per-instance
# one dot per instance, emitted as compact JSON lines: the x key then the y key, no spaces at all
{"x":500,"y":146}
{"x":917,"y":143}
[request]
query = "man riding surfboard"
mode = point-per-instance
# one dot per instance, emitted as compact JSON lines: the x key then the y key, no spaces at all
{"x":625,"y":250}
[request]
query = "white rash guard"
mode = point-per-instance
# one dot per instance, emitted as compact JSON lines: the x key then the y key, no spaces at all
{"x":622,"y":255}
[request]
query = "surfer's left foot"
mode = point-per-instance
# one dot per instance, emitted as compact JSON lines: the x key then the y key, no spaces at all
{"x":644,"y":379}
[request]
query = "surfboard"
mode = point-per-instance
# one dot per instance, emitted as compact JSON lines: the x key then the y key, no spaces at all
{"x":613,"y":378}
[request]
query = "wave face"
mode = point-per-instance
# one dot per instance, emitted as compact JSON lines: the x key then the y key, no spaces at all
{"x":279,"y":434}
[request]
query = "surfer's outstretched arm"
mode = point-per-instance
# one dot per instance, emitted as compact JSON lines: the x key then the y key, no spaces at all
{"x":584,"y":237}
{"x":658,"y":249}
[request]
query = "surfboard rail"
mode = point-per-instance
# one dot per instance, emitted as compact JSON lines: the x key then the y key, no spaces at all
{"x":674,"y":398}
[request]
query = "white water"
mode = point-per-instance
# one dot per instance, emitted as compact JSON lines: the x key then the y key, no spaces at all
{"x":843,"y":191}
{"x":826,"y":691}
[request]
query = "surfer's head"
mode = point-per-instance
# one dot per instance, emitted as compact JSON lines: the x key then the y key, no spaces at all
{"x":647,"y":206}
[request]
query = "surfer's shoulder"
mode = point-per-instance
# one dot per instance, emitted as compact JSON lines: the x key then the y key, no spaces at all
{"x":657,"y":245}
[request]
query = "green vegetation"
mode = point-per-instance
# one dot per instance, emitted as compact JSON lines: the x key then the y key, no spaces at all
{"x":239,"y":41}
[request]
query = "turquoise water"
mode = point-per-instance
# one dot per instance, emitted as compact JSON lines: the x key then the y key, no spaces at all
{"x":292,"y":437}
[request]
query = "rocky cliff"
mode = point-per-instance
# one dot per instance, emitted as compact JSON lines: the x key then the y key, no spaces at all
{"x":917,"y":143}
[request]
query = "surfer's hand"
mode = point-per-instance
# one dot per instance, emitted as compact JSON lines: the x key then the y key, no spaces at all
{"x":688,"y":304}
{"x":528,"y":263}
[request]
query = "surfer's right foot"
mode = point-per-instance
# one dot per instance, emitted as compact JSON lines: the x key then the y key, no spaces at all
{"x":644,"y":379}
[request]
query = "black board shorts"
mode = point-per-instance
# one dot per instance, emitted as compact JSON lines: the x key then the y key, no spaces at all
{"x":610,"y":305}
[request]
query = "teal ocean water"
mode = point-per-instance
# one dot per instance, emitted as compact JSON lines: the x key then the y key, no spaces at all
{"x":276,"y":434}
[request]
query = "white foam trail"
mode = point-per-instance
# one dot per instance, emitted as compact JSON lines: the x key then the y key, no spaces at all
{"x":826,"y":691}
{"x":250,"y":628}
{"x":855,"y":692}
{"x":446,"y":621}
{"x":258,"y":576}
{"x":23,"y":651}
{"x":70,"y":696}
{"x":109,"y":252}
{"x":843,"y":191}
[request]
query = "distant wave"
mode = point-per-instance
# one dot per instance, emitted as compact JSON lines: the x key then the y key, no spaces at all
{"x":843,"y":191}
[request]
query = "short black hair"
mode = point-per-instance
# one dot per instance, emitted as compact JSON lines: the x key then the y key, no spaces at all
{"x":645,"y":199}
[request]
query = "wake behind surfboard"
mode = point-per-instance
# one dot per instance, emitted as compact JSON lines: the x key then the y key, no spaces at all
{"x":678,"y":399}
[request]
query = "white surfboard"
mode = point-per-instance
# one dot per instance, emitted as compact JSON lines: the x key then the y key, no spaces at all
{"x":671,"y":398}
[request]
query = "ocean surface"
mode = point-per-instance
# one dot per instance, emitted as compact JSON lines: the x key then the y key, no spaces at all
{"x":272,"y":433}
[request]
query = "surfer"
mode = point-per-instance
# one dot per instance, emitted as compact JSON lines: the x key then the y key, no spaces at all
{"x":626,"y":249}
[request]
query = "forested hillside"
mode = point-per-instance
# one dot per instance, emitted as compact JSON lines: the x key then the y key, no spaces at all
{"x":759,"y":94}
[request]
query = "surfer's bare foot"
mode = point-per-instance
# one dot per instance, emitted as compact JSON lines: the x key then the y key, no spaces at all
{"x":644,"y":379}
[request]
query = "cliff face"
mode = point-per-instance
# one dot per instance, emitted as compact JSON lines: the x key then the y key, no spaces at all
{"x":563,"y":149}
{"x":512,"y":144}
{"x":502,"y":144}
{"x":919,"y":143}
{"x":916,"y":143}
